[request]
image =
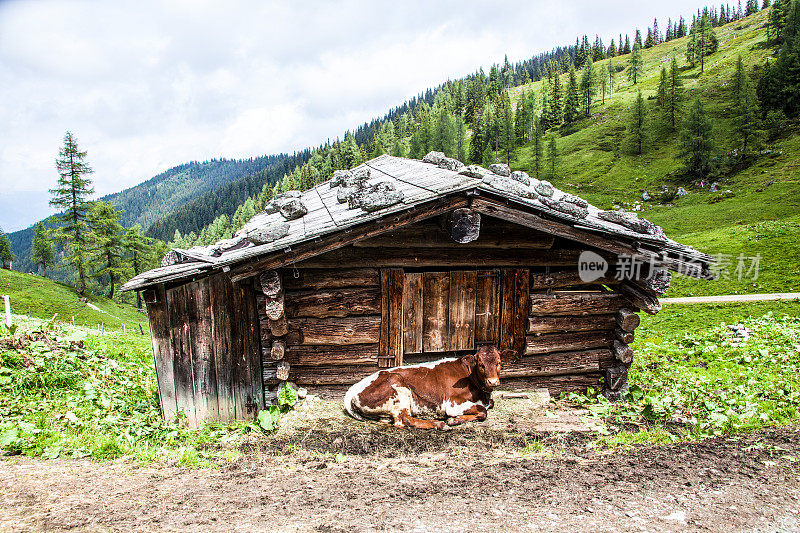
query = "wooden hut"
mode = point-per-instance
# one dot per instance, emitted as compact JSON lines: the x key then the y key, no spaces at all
{"x":400,"y":261}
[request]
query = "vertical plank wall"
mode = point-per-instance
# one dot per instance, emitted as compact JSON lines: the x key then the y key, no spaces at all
{"x":207,"y":350}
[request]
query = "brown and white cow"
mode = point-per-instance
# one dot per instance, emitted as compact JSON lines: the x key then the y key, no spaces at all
{"x":441,"y":393}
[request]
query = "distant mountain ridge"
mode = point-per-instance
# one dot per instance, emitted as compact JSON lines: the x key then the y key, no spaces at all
{"x":161,"y":195}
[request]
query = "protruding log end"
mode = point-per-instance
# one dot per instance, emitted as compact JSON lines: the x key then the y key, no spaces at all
{"x":464,"y":225}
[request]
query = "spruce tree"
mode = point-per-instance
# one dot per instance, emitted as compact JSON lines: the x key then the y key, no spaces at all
{"x":746,"y":111}
{"x":556,"y":97}
{"x":6,"y":257}
{"x":573,"y":100}
{"x":635,"y":63}
{"x":696,"y":141}
{"x":71,"y":195}
{"x":538,"y":148}
{"x":674,"y":94}
{"x":507,"y":137}
{"x":107,"y":244}
{"x":43,"y":253}
{"x":637,"y":126}
{"x":661,"y":92}
{"x":552,"y":155}
{"x":588,"y":87}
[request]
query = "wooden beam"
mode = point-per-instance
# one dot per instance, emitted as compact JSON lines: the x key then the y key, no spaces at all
{"x":552,"y":324}
{"x":576,"y":303}
{"x":350,"y":330}
{"x":565,"y":278}
{"x":323,"y":355}
{"x":313,"y":279}
{"x":644,"y":301}
{"x":494,"y":234}
{"x":431,"y":257}
{"x":627,"y":319}
{"x":563,"y":342}
{"x":333,"y":302}
{"x":339,"y":239}
{"x":559,"y":363}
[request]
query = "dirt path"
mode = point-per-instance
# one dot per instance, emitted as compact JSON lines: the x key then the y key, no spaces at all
{"x":745,"y":483}
{"x":731,"y":298}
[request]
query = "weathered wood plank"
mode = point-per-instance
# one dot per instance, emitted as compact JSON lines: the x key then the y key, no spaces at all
{"x":395,"y":341}
{"x":565,"y":278}
{"x":412,"y":313}
{"x":431,"y":257}
{"x":492,"y":235}
{"x":461,"y":327}
{"x":565,"y":342}
{"x":348,"y":330}
{"x":203,"y":371}
{"x":253,"y":351}
{"x":383,"y":342}
{"x":551,"y":324}
{"x":323,"y":355}
{"x":222,"y":345}
{"x":559,"y":363}
{"x":507,"y":309}
{"x":341,"y":302}
{"x":622,"y":352}
{"x":487,"y":307}
{"x":435,"y":296}
{"x":624,"y":336}
{"x":641,"y":299}
{"x":162,"y":351}
{"x":555,"y":384}
{"x":313,"y":279}
{"x":522,"y":297}
{"x":329,"y":375}
{"x":180,"y":332}
{"x":576,"y":303}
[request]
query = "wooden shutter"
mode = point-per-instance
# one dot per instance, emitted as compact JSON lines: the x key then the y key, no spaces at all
{"x":435,"y":321}
{"x":487,"y":307}
{"x":462,"y":310}
{"x":412,"y":313}
{"x":390,"y":348}
{"x":514,"y":312}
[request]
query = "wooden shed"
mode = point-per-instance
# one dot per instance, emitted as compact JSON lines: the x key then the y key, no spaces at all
{"x":400,"y":261}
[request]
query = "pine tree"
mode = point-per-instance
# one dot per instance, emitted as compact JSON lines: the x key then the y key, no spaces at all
{"x":674,"y":94}
{"x":43,"y":253}
{"x":627,"y":45}
{"x":656,"y":32}
{"x":696,"y":141}
{"x":588,"y":87}
{"x":6,"y":257}
{"x":552,"y":155}
{"x":139,"y":249}
{"x":612,"y":49}
{"x":106,"y":244}
{"x":649,"y":41}
{"x":637,"y":127}
{"x":538,"y":149}
{"x":556,"y":96}
{"x":71,"y":196}
{"x":635,"y":63}
{"x":746,"y":111}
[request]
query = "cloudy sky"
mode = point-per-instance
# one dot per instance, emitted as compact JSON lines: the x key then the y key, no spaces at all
{"x":148,"y":85}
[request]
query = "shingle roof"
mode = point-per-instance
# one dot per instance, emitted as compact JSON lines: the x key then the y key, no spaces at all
{"x":417,"y":182}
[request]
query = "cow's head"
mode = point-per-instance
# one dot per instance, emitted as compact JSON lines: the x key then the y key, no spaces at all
{"x":486,"y":366}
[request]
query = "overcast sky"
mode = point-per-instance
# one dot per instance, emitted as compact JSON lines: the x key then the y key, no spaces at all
{"x":148,"y":85}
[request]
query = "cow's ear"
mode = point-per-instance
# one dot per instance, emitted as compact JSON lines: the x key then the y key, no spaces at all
{"x":508,"y":356}
{"x":469,"y":360}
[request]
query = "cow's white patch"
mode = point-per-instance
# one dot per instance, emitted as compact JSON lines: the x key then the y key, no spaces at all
{"x":351,"y":399}
{"x":450,"y":408}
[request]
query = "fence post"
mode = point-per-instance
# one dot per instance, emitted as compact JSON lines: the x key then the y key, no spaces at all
{"x":7,"y":302}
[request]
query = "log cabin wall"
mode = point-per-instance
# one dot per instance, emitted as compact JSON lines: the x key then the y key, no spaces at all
{"x":207,"y":350}
{"x":416,"y":295}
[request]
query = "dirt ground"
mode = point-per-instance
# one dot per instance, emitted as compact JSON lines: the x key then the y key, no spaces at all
{"x":522,"y":470}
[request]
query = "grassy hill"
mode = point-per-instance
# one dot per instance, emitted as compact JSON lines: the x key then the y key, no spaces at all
{"x":762,"y":214}
{"x":43,"y":298}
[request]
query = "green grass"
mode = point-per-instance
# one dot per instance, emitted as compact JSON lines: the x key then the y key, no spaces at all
{"x":43,"y":298}
{"x":761,"y":217}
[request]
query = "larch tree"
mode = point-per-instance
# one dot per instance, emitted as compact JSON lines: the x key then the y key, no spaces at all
{"x":637,"y":125}
{"x":604,"y":81}
{"x":139,"y":249}
{"x":635,"y":63}
{"x":552,"y":155}
{"x":71,"y":196}
{"x":505,"y":120}
{"x":538,"y":148}
{"x":43,"y":253}
{"x":746,"y":122}
{"x":696,"y":141}
{"x":107,"y":244}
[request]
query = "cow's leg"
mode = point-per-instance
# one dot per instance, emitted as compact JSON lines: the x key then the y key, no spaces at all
{"x":406,"y":419}
{"x":476,"y":412}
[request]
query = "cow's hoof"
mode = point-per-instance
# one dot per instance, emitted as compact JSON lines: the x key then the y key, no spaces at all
{"x":453,"y":421}
{"x":438,"y":424}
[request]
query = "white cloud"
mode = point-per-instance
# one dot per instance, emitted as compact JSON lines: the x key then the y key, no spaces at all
{"x":148,"y":85}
